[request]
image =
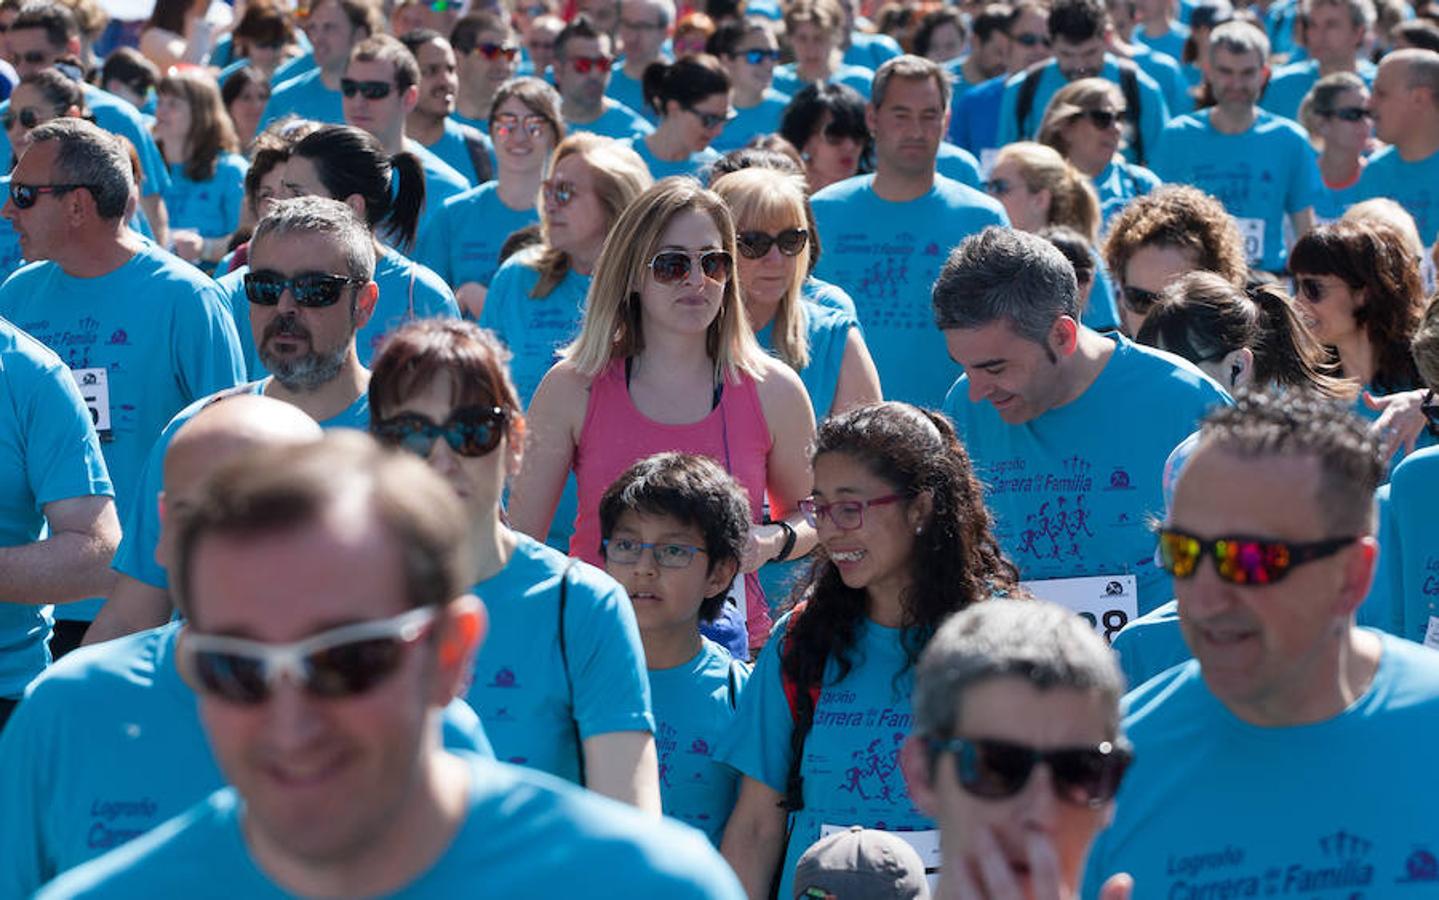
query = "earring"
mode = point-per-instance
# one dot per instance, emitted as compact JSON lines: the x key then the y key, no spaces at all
{"x":919,"y":529}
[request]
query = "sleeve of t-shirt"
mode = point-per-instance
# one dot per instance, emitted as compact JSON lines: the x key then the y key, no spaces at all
{"x":232,"y":196}
{"x":25,"y":769}
{"x":432,"y":247}
{"x":140,"y":531}
{"x":1306,"y":185}
{"x":757,"y":743}
{"x":62,"y":452}
{"x":206,"y":348}
{"x":461,"y":729}
{"x":506,"y":288}
{"x":433,"y":296}
{"x":607,"y":661}
{"x":1164,"y":159}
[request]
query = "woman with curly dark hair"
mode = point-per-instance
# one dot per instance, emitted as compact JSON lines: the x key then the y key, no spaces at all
{"x":906,"y":541}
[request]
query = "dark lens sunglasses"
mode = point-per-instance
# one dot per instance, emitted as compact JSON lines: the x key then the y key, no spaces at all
{"x":758,"y":55}
{"x":33,"y":57}
{"x":341,"y":662}
{"x":673,"y":266}
{"x":1031,"y":40}
{"x":27,"y":117}
{"x":994,"y":770}
{"x":311,"y":289}
{"x":494,"y":51}
{"x":472,"y":431}
{"x":1138,"y":300}
{"x":755,"y":244}
{"x":709,"y":121}
{"x":1246,"y":561}
{"x":583,"y":64}
{"x":370,"y":90}
{"x":1104,"y":119}
{"x":25,"y":196}
{"x":1348,"y":114}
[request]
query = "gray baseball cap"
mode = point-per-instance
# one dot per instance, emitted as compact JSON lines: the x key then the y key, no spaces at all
{"x":860,"y":864}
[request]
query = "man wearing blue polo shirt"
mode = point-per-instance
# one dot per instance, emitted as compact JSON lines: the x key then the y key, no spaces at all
{"x":1069,"y":429}
{"x":1260,"y":166}
{"x":334,"y":27}
{"x":1282,"y":760}
{"x":886,"y":235}
{"x":583,"y":59}
{"x":1334,"y":33}
{"x":1405,"y":106}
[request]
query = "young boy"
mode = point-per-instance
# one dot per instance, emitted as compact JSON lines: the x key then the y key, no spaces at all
{"x":674,"y":526}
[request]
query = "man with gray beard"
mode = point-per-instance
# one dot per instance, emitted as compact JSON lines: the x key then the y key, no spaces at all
{"x":310,"y":288}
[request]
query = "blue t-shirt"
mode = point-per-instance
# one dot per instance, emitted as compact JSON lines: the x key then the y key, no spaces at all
{"x":851,"y":755}
{"x":959,"y":164}
{"x":462,"y":240}
{"x":11,"y":257}
{"x":1073,"y":490}
{"x":525,"y":835}
{"x":141,"y":534}
{"x":1409,"y":548}
{"x":1102,"y":313}
{"x":108,"y":744}
{"x":1171,"y":42}
{"x":975,"y":122}
{"x":870,"y":50}
{"x":762,"y":118}
{"x":1166,"y":71}
{"x":293,"y":68}
{"x":156,"y":333}
{"x":1119,"y":183}
{"x":787,"y":81}
{"x":1334,"y":201}
{"x":441,"y":183}
{"x":210,"y":207}
{"x":48,"y":452}
{"x":407,"y":290}
{"x":830,"y":296}
{"x":533,"y":328}
{"x":453,"y":149}
{"x":537,"y":709}
{"x":828,"y":333}
{"x":1153,"y":110}
{"x":630,"y":92}
{"x":1260,"y":175}
{"x":694,"y":706}
{"x":306,"y":96}
{"x":693,"y":165}
{"x":1289,"y":84}
{"x":1151,"y":644}
{"x":887,"y":255}
{"x":1415,"y":185}
{"x":1216,"y":807}
{"x":617,"y":121}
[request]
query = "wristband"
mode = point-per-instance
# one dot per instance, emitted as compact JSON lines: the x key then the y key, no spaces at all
{"x":789,"y":539}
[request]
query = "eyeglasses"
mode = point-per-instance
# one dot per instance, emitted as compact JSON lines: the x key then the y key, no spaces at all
{"x":505,"y":124}
{"x":847,"y":515}
{"x":998,"y":186}
{"x":27,"y":117}
{"x":370,"y":90}
{"x":756,"y":244}
{"x":471,"y":431}
{"x":33,"y":57}
{"x":1030,"y":40}
{"x":1138,"y":300}
{"x":560,"y":193}
{"x":1241,"y":560}
{"x":310,"y":289}
{"x":759,"y":55}
{"x":494,"y":51}
{"x":673,"y":266}
{"x":1104,"y":119}
{"x":341,"y":662}
{"x":583,"y":64}
{"x":25,"y":196}
{"x":1348,"y":114}
{"x":709,"y":121}
{"x":627,"y":552}
{"x":994,"y":770}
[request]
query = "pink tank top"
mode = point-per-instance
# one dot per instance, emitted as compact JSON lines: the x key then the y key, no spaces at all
{"x":616,"y":435}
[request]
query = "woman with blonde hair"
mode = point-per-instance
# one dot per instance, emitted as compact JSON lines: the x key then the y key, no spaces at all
{"x":1039,"y":188}
{"x":1085,"y":123}
{"x":207,"y":173}
{"x":666,"y":360}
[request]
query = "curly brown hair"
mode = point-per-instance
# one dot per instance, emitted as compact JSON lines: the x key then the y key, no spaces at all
{"x":1182,"y":217}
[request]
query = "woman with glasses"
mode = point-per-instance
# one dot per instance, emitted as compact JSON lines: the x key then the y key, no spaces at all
{"x":826,"y":123}
{"x":1085,"y":123}
{"x":748,"y":50}
{"x":207,"y":174}
{"x":815,"y":30}
{"x":462,"y":240}
{"x":666,"y":361}
{"x":1336,"y":114}
{"x":905,"y":541}
{"x":690,"y":98}
{"x":560,"y":679}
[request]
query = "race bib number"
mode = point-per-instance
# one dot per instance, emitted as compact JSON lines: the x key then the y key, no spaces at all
{"x":95,"y":390}
{"x":1431,"y":634}
{"x":1106,"y":602}
{"x":1252,"y":230}
{"x":925,"y":843}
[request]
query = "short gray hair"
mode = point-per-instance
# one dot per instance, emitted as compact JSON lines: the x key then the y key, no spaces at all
{"x":1040,"y":643}
{"x":321,"y":215}
{"x":1239,"y":38}
{"x":912,"y":68}
{"x":92,"y":157}
{"x":1005,"y":274}
{"x":1361,"y":12}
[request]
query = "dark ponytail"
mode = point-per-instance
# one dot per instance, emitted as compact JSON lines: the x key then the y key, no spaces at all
{"x":402,"y":222}
{"x":349,"y":161}
{"x":1287,"y":353}
{"x":687,"y":81}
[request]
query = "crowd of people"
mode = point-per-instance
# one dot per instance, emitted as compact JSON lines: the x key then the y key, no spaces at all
{"x":809,"y":449}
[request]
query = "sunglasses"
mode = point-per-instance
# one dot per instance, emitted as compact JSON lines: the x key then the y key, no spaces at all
{"x":628,"y":551}
{"x":998,"y":187}
{"x":370,"y":90}
{"x":560,"y":193}
{"x":1241,"y":560}
{"x":583,"y":64}
{"x":25,"y":196}
{"x":471,"y":431}
{"x":756,"y":244}
{"x":506,"y":124}
{"x":340,"y":662}
{"x":709,"y":121}
{"x":1104,"y":119}
{"x":994,"y":770}
{"x":33,"y":57}
{"x":27,"y":117}
{"x":1030,"y":40}
{"x":847,"y":515}
{"x":494,"y":51}
{"x":834,"y":135}
{"x":1138,"y":300}
{"x":758,"y":55}
{"x":1348,"y":114}
{"x":673,"y":266}
{"x":311,"y":290}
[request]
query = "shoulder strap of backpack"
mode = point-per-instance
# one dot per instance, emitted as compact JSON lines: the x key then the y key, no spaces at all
{"x":565,"y":664}
{"x":479,"y":155}
{"x":1129,"y":86}
{"x":791,"y":687}
{"x":1024,"y":102}
{"x":734,"y":665}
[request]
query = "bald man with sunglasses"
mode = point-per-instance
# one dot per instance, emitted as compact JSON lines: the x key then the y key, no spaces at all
{"x":1285,"y":757}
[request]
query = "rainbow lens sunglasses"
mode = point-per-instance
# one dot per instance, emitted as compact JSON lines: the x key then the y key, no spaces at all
{"x":471,"y":431}
{"x":1248,"y":561}
{"x":995,"y":769}
{"x":341,"y":662}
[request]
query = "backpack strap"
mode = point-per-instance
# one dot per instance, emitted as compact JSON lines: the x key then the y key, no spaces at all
{"x":479,"y":155}
{"x":1129,"y":86}
{"x":733,"y":677}
{"x":565,"y":664}
{"x":791,"y":687}
{"x":1024,"y":102}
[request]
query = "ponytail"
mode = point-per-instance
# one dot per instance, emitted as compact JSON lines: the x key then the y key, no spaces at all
{"x":1287,"y":353}
{"x":351,"y":162}
{"x":1075,"y":204}
{"x":401,"y":220}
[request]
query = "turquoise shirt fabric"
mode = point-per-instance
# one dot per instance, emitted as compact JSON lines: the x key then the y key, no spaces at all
{"x":762,"y":118}
{"x":210,"y":207}
{"x":1415,"y":185}
{"x":787,"y":81}
{"x":693,"y":165}
{"x":306,"y":96}
{"x":617,"y":121}
{"x":1151,"y":644}
{"x":462,"y":241}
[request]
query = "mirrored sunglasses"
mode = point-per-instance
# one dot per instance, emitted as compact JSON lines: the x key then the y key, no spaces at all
{"x":1249,"y":561}
{"x":472,"y":431}
{"x":310,"y":289}
{"x":673,"y":266}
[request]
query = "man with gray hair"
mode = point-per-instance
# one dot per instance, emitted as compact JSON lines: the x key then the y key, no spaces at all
{"x":1334,"y":34}
{"x":1006,"y":687}
{"x":143,"y":332}
{"x":1282,"y":759}
{"x":1405,"y":106}
{"x":1068,"y":429}
{"x":310,"y":290}
{"x":645,"y":26}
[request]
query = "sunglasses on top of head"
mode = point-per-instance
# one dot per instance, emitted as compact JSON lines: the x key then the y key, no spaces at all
{"x":472,"y":431}
{"x":673,"y":266}
{"x":995,"y":770}
{"x":1247,"y":561}
{"x":370,"y":90}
